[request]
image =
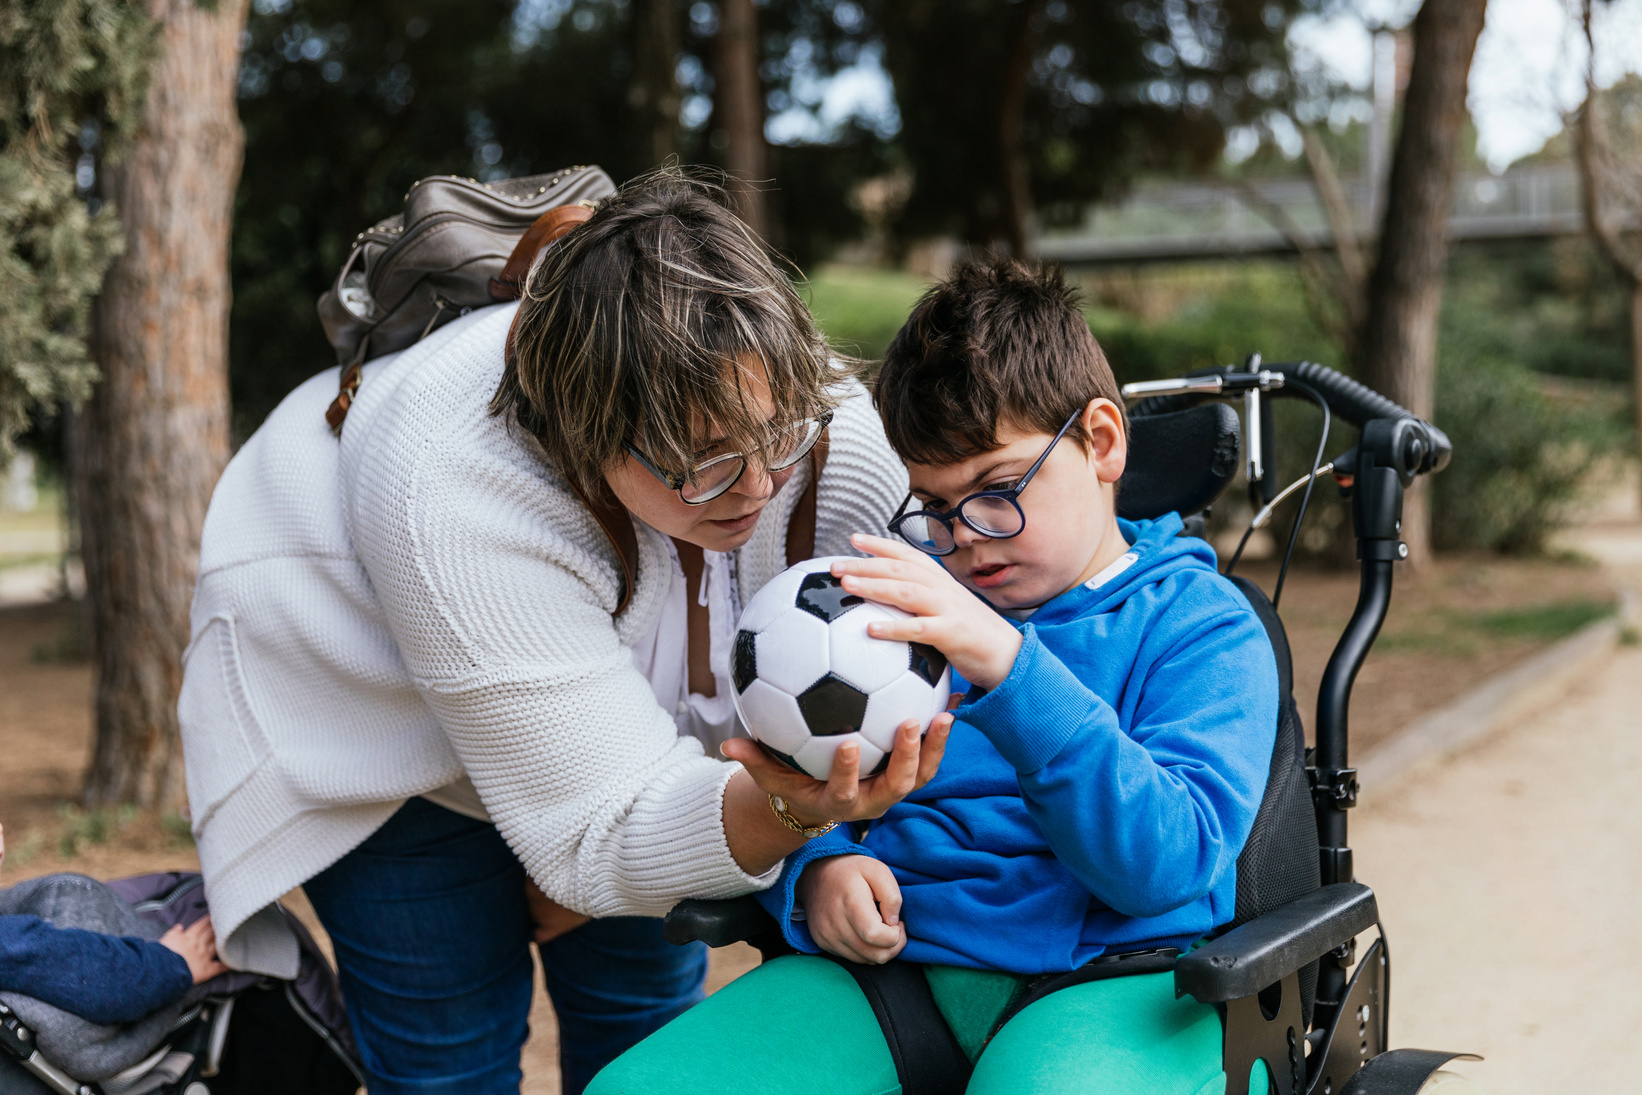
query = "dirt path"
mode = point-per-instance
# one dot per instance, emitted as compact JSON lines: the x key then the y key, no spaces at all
{"x":1509,"y":882}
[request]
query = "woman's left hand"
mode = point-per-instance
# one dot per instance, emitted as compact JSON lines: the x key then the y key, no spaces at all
{"x":548,"y":918}
{"x":845,"y":796}
{"x":978,"y":642}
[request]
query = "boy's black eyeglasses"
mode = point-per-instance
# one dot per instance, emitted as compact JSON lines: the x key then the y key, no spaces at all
{"x":712,"y":477}
{"x":995,"y":514}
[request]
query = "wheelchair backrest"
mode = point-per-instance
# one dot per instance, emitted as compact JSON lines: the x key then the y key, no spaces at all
{"x":1280,"y":862}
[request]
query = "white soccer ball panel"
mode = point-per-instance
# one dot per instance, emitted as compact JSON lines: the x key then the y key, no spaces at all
{"x":860,"y":659}
{"x":816,"y":756}
{"x":908,"y":697}
{"x":779,"y":594}
{"x":870,"y":756}
{"x":772,"y":717}
{"x":814,"y":566}
{"x":792,"y":651}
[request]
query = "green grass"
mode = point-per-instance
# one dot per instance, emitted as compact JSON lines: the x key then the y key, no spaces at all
{"x":1456,"y":632}
{"x":1542,"y":623}
{"x":860,"y":308}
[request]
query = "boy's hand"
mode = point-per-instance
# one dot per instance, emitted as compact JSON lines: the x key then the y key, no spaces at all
{"x":978,"y":642}
{"x":845,"y":796}
{"x":853,"y":906}
{"x":197,"y":944}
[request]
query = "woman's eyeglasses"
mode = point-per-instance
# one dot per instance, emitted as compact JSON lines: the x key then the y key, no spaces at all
{"x":995,"y":514}
{"x":712,"y":477}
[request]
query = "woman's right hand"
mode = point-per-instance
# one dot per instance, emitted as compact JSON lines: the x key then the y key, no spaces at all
{"x":845,"y":796}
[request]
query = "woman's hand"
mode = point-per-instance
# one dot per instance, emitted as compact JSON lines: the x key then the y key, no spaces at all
{"x":978,"y":642}
{"x":197,"y":944}
{"x":548,"y":918}
{"x":845,"y":796}
{"x":852,"y":904}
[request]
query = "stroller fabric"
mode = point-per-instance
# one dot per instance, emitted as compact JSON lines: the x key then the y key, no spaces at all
{"x":134,"y":1057}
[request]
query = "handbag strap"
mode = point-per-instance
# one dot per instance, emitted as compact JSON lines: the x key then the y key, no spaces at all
{"x":549,"y":227}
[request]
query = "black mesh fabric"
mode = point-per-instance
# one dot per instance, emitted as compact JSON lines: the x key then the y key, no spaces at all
{"x":1279,"y":863}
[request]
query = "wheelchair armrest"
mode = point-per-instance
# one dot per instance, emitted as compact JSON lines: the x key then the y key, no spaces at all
{"x":1266,"y":949}
{"x":716,"y":923}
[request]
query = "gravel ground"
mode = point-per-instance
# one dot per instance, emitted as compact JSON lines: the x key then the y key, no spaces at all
{"x":1508,"y":879}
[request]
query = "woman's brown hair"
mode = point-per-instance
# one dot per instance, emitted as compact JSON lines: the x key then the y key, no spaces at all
{"x":630,"y":329}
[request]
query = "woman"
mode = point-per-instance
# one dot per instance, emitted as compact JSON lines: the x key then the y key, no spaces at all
{"x":486,"y":636}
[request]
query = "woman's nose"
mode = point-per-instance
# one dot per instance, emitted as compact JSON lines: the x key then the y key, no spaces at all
{"x":758,"y":483}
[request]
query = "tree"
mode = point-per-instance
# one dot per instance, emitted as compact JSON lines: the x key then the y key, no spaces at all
{"x":739,"y":109}
{"x":1399,"y":340}
{"x":154,"y":436}
{"x":1027,"y":111}
{"x":1608,"y":132}
{"x":72,"y":74}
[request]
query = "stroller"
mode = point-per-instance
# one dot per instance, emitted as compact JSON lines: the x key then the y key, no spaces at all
{"x":1302,"y":1010}
{"x":237,"y":1034}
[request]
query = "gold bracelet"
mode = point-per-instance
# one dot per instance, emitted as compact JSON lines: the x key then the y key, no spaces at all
{"x":779,"y":805}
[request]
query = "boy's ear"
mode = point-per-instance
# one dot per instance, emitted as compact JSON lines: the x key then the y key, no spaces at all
{"x":1108,"y":444}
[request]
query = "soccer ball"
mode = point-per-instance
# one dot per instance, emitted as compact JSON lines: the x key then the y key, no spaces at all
{"x":808,"y":677}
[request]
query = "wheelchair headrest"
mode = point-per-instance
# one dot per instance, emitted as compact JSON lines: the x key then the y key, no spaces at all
{"x":1178,"y":462}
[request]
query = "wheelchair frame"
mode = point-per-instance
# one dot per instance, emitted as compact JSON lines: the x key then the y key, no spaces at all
{"x":1253,"y":970}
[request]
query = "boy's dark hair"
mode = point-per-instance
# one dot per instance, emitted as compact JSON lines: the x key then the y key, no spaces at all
{"x":999,"y":342}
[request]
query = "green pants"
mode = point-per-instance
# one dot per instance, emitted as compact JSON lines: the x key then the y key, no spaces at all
{"x":800,"y":1026}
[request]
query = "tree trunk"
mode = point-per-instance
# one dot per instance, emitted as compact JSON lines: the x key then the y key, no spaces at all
{"x":154,"y":436}
{"x":739,"y":104}
{"x":655,"y":93}
{"x":1595,"y":165}
{"x":1399,"y":344}
{"x":1016,"y":189}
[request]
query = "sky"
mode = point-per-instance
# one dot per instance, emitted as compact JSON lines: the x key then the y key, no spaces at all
{"x":1528,"y":71}
{"x":1527,"y":74}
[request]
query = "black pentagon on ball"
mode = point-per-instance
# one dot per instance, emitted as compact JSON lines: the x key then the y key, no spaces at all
{"x":832,"y":706}
{"x":928,"y":663}
{"x":823,"y":595}
{"x":782,"y":757}
{"x":745,"y":667}
{"x":877,"y":769}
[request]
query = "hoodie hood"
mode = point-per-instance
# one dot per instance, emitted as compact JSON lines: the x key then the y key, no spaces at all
{"x":1160,"y":552}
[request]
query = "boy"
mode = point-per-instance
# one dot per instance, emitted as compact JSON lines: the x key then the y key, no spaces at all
{"x":103,"y":978}
{"x":1101,"y":778}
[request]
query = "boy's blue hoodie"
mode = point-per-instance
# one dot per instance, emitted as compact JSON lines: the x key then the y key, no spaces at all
{"x":1097,"y":799}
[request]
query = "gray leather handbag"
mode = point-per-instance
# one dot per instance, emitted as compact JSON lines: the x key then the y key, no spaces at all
{"x":460,"y":244}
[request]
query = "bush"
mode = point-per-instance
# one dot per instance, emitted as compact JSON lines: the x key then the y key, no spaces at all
{"x":1519,"y":456}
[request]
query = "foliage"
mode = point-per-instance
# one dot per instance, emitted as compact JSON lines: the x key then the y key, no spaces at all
{"x":72,"y":75}
{"x":1520,"y":457}
{"x":1111,"y":89}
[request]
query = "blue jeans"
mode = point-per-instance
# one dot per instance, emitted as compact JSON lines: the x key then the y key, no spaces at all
{"x":432,"y":938}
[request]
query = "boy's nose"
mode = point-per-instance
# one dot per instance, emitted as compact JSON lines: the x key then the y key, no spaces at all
{"x":963,"y":536}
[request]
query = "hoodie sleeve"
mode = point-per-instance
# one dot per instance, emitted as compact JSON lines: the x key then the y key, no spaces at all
{"x":781,"y":900}
{"x":102,"y":978}
{"x":1151,"y":818}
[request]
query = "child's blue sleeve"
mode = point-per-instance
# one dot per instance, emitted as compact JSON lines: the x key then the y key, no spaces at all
{"x":779,"y":899}
{"x":1151,"y":818}
{"x":103,"y":978}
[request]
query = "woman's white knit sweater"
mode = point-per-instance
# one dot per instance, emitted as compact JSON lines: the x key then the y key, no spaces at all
{"x":428,"y":597}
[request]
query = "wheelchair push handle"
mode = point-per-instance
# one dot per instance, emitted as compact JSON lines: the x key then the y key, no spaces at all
{"x":1421,"y":447}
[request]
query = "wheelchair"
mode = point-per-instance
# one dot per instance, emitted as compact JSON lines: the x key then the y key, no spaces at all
{"x":1285,"y":972}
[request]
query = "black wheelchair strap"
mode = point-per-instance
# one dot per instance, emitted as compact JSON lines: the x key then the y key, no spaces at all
{"x":928,"y":1059}
{"x":1107,"y":966}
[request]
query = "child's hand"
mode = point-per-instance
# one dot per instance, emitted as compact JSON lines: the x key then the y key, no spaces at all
{"x":978,"y":642}
{"x":853,"y":905}
{"x":197,"y":944}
